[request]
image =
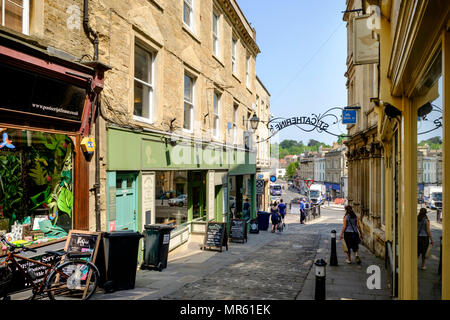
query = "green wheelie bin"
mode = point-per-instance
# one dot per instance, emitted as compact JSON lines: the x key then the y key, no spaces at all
{"x":156,"y":246}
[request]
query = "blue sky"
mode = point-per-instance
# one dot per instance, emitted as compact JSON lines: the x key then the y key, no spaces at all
{"x":302,"y":61}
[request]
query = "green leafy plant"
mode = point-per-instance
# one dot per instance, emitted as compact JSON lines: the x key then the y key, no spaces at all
{"x":39,"y":173}
{"x":53,"y":168}
{"x":65,"y":201}
{"x":11,"y":188}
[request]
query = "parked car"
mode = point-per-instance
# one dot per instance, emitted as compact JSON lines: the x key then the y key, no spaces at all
{"x":168,"y":194}
{"x":179,"y":201}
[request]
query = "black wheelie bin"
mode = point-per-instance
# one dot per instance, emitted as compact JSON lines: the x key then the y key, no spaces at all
{"x":156,"y":246}
{"x":121,"y":259}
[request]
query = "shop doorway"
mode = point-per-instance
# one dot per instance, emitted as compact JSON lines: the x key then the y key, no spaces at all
{"x":197,"y":202}
{"x":126,"y":202}
{"x":198,"y":194}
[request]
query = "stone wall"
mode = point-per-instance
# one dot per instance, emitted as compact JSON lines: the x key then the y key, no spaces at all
{"x":158,"y":26}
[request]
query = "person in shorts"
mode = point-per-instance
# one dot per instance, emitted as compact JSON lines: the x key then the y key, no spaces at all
{"x":424,"y":236}
{"x":282,"y":209}
{"x":350,"y":233}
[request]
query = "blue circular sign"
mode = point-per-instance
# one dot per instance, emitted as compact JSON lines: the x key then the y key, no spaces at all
{"x":273,"y":178}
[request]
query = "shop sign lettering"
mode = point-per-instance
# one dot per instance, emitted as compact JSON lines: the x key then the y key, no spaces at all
{"x":314,"y":122}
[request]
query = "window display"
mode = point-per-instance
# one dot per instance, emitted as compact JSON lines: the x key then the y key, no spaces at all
{"x":171,"y":197}
{"x":36,"y":184}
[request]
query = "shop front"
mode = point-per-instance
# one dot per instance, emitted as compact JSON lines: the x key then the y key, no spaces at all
{"x":46,"y":106}
{"x":183,"y":184}
{"x":333,"y":189}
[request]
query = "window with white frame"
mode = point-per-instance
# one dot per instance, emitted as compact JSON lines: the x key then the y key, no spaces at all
{"x":188,"y":13}
{"x":188,"y":103}
{"x":233,"y":55}
{"x":216,"y":112}
{"x":247,"y":71}
{"x":143,"y":84}
{"x":215,"y":27}
{"x":15,"y":14}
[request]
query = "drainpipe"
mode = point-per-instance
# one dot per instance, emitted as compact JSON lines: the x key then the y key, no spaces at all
{"x":93,"y":38}
{"x":98,"y":225}
{"x":89,"y":31}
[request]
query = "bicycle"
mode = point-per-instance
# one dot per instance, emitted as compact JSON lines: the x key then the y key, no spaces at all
{"x":71,"y":278}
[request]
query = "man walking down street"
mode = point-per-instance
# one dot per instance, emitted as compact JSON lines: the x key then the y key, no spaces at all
{"x":302,"y":211}
{"x":282,"y":211}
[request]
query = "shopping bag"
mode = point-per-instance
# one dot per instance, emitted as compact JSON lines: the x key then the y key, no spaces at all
{"x":428,"y":253}
{"x":344,"y":246}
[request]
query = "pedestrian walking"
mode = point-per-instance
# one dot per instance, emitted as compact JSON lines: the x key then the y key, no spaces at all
{"x":281,"y":214}
{"x":302,"y":211}
{"x":423,"y":236}
{"x":246,"y":209}
{"x":350,"y":233}
{"x":233,"y":209}
{"x":282,"y":209}
{"x":274,"y":216}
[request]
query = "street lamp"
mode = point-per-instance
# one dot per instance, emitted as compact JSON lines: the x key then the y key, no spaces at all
{"x":254,"y":121}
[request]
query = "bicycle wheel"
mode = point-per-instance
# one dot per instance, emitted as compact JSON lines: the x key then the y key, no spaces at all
{"x":73,"y":280}
{"x":6,"y":277}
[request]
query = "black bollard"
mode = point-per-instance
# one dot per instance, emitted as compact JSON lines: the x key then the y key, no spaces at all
{"x":320,"y":279}
{"x":333,"y":257}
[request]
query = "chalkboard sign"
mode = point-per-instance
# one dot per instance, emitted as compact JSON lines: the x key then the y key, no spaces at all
{"x":84,"y":241}
{"x":38,"y":271}
{"x":238,"y":230}
{"x":254,"y":226}
{"x":215,"y":236}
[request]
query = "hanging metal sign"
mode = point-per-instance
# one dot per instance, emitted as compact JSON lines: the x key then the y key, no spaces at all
{"x":316,"y":122}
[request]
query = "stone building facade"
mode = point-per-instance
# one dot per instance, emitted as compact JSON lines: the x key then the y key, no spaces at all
{"x":262,"y":143}
{"x":336,"y":171}
{"x":173,"y":114}
{"x":364,"y":150}
{"x":409,"y":53}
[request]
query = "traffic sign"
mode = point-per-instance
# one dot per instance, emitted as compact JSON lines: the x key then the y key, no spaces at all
{"x":259,"y":186}
{"x":309,"y":183}
{"x":273,"y":178}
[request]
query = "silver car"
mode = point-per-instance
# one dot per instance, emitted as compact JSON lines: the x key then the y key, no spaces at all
{"x":179,"y":201}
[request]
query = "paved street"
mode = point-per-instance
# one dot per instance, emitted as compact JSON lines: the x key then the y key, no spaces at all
{"x":269,"y":266}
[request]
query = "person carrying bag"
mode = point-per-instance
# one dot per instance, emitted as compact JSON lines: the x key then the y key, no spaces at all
{"x":424,"y":237}
{"x":350,"y":234}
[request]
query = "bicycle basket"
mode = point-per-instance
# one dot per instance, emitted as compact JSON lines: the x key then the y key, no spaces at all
{"x":6,"y":277}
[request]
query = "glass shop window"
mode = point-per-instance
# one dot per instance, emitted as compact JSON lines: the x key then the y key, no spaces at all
{"x":171,"y":197}
{"x":36,"y":185}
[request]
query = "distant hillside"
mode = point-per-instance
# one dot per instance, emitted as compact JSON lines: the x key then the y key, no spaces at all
{"x":435,"y":143}
{"x":287,"y":147}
